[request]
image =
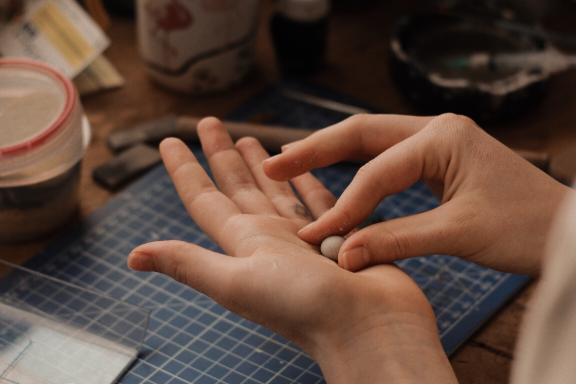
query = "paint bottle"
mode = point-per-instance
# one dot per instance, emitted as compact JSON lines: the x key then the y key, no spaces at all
{"x":299,"y":31}
{"x":43,"y":138}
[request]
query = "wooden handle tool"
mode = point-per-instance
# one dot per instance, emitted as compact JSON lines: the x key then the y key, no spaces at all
{"x":272,"y":137}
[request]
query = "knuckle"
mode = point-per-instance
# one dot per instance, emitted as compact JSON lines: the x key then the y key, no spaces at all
{"x":179,"y":272}
{"x":454,"y":127}
{"x":200,"y":198}
{"x":175,"y":266}
{"x":367,"y":177}
{"x":364,"y":172}
{"x":390,"y":243}
{"x":354,"y":131}
{"x":232,"y":227}
{"x":247,"y":142}
{"x":452,"y":120}
{"x":183,"y":170}
{"x":358,"y":119}
{"x":455,"y":119}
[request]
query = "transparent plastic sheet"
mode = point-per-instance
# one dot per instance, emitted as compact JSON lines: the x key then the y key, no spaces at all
{"x":53,"y":332}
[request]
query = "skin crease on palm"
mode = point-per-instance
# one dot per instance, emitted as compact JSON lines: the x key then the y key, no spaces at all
{"x":372,"y":325}
{"x":348,"y":322}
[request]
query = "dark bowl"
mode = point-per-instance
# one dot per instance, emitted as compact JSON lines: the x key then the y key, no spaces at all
{"x":419,"y":45}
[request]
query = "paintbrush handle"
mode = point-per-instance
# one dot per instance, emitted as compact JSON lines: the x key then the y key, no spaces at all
{"x":271,"y":137}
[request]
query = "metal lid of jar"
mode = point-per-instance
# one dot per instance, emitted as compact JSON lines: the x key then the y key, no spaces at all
{"x":35,"y":104}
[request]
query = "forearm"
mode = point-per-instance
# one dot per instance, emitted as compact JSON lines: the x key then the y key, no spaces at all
{"x":397,"y":354}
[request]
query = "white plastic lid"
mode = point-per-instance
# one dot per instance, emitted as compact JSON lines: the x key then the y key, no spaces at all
{"x":304,"y":10}
{"x":35,"y":101}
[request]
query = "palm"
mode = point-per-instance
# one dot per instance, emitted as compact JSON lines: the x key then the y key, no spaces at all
{"x":285,"y":275}
{"x":276,"y":278}
{"x":249,"y":233}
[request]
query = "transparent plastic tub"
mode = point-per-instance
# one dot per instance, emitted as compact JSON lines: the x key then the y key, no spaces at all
{"x":43,"y":138}
{"x":54,"y":332}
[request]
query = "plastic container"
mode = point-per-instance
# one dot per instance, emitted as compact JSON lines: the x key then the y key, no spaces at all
{"x":43,"y":138}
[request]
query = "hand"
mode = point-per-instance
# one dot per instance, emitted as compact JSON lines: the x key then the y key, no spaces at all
{"x":360,"y":327}
{"x":496,"y":208}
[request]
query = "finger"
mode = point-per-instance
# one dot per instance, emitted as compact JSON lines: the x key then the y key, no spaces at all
{"x":430,"y":232}
{"x":314,"y":194}
{"x":358,"y":137}
{"x":197,"y":190}
{"x":229,"y":169}
{"x":279,"y":193}
{"x":391,"y":172}
{"x":200,"y":268}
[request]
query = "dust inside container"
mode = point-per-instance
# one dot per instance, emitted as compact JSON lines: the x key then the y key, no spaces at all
{"x":43,"y":138}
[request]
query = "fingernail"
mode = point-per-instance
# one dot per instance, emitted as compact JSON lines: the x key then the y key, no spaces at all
{"x":309,"y":231}
{"x":140,"y":261}
{"x":290,"y":145}
{"x":270,"y":159}
{"x":355,"y":258}
{"x":305,"y":229}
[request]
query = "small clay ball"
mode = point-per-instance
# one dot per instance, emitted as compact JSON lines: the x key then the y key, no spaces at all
{"x":330,"y":247}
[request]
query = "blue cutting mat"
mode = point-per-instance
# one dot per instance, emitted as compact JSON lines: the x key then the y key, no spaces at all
{"x":192,"y":339}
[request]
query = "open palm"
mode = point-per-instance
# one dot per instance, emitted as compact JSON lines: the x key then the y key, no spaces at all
{"x":275,"y":278}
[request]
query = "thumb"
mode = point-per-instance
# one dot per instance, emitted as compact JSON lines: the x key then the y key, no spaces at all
{"x":422,"y":234}
{"x":200,"y":268}
{"x":390,"y":172}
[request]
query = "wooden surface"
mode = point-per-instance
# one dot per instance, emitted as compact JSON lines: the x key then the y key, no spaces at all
{"x":357,"y":66}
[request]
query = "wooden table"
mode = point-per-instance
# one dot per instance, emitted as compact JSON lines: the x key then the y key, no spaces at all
{"x":357,"y":66}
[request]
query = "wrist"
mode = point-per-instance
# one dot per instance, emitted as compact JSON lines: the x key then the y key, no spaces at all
{"x":400,"y":347}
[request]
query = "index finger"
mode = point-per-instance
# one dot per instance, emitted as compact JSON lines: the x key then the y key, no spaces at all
{"x":390,"y":172}
{"x":197,"y":190}
{"x":359,"y":137}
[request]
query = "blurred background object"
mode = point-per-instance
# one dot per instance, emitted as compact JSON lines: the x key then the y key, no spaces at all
{"x":530,"y":11}
{"x":64,"y":35}
{"x":96,"y":9}
{"x":197,"y":46}
{"x":299,"y":32}
{"x":487,"y":59}
{"x":125,"y":8}
{"x":43,"y":139}
{"x":58,"y":32}
{"x":9,"y":9}
{"x":425,"y":46}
